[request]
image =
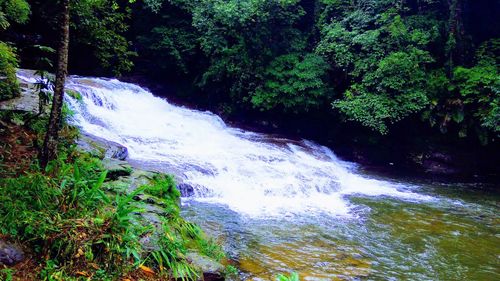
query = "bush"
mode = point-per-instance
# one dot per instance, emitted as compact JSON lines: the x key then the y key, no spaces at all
{"x":163,"y":187}
{"x":9,"y":87}
{"x":64,"y":215}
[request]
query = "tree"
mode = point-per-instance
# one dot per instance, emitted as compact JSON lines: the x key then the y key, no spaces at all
{"x":98,"y":37}
{"x":293,"y":83}
{"x":13,"y":11}
{"x":49,"y":149}
{"x":382,"y":52}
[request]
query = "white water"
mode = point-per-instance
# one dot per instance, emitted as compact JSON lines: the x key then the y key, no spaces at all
{"x":253,"y":174}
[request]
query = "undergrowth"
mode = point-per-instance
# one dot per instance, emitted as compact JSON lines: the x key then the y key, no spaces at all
{"x":76,"y":230}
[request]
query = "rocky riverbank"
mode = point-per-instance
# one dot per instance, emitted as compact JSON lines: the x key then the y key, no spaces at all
{"x":124,"y":178}
{"x":154,"y":207}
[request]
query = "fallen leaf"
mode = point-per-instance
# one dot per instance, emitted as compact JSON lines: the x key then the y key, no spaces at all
{"x":93,"y":265}
{"x":147,"y":270}
{"x":82,"y":273}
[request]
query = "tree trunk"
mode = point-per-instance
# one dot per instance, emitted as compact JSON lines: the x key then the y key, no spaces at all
{"x":49,"y":149}
{"x":456,"y":33}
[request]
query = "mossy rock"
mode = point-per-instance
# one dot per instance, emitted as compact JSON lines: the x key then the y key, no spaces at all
{"x":116,"y":168}
{"x":102,"y":148}
{"x":212,"y":270}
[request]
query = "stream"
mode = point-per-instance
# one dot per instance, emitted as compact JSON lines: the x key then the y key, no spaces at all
{"x":278,"y":205}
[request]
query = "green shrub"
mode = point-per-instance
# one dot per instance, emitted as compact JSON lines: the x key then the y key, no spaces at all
{"x":13,"y":11}
{"x":293,"y":83}
{"x":177,"y":236}
{"x":63,"y":214}
{"x":163,"y":187}
{"x":72,"y":224}
{"x":9,"y":87}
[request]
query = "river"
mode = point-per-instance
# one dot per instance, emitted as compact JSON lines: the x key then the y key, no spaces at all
{"x":279,"y":205}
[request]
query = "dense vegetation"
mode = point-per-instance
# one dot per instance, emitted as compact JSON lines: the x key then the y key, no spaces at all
{"x":376,"y":63}
{"x":79,"y":222}
{"x":365,"y":70}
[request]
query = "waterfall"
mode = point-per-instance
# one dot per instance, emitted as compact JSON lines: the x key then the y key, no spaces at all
{"x":250,"y":173}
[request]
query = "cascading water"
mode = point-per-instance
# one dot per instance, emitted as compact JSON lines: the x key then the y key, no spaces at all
{"x":280,"y":205}
{"x":251,"y":173}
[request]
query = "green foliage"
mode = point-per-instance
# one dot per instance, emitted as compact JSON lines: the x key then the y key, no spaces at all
{"x":9,"y":87}
{"x":64,"y":214}
{"x":385,"y":59}
{"x":241,"y":37}
{"x":178,"y":236}
{"x":395,"y":89}
{"x":163,"y":187}
{"x":224,"y":45}
{"x":171,"y":43}
{"x":13,"y":11}
{"x":293,"y":277}
{"x":172,"y":249}
{"x":99,"y":26}
{"x":468,"y":103}
{"x":480,"y":87}
{"x":74,"y":94}
{"x":293,"y":83}
{"x":230,"y":271}
{"x":383,"y":55}
{"x":6,"y":274}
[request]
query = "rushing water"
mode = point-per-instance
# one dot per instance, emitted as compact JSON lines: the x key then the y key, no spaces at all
{"x":280,"y":205}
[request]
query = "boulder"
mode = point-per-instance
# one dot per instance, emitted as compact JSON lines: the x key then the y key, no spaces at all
{"x":438,"y":168}
{"x":212,"y":270}
{"x":26,"y":102}
{"x":116,"y":168}
{"x":102,"y":148}
{"x":10,"y":254}
{"x":186,"y":190}
{"x":439,"y":163}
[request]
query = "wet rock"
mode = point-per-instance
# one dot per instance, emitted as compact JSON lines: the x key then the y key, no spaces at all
{"x":185,"y":189}
{"x":212,"y":270}
{"x":151,"y":200}
{"x":144,"y":174}
{"x":116,"y":168}
{"x":102,"y":148}
{"x":117,"y":151}
{"x":26,"y":102}
{"x":150,"y":242}
{"x":139,"y":197}
{"x":438,"y":168}
{"x":10,"y":254}
{"x":441,"y":157}
{"x":439,"y":163}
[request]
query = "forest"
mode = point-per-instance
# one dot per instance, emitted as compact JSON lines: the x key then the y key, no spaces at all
{"x":408,"y":83}
{"x":370,"y":68}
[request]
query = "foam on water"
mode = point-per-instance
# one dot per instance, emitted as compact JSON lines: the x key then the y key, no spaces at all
{"x":252,"y":174}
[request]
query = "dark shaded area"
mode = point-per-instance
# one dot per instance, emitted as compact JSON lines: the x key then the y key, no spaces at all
{"x":192,"y":55}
